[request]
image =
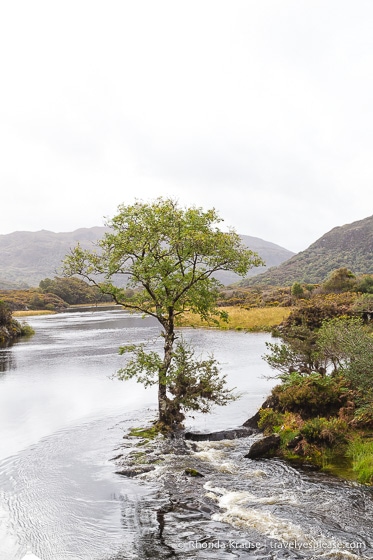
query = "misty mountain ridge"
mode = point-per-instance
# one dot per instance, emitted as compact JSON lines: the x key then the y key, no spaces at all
{"x":348,"y":246}
{"x":27,"y":257}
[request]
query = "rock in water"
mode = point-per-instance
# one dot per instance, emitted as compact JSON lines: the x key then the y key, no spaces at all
{"x":219,"y":436}
{"x":264,"y":447}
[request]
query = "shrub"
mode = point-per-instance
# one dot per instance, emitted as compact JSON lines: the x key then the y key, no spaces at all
{"x":311,"y":395}
{"x":269,"y":420}
{"x":363,"y":417}
{"x":323,"y":430}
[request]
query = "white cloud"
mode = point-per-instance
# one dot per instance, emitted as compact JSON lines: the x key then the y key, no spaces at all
{"x":261,"y":109}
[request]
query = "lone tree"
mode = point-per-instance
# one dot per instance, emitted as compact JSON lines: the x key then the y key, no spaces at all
{"x":169,"y":256}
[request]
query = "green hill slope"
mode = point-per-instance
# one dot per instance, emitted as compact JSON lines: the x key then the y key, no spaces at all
{"x":348,"y":246}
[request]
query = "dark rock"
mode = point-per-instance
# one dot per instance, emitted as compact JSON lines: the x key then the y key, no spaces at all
{"x":252,"y":422}
{"x":264,"y":447}
{"x":193,"y":472}
{"x":218,"y":436}
{"x":135,"y":471}
{"x":116,"y":457}
{"x":270,"y":402}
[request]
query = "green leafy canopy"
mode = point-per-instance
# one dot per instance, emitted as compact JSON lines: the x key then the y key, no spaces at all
{"x":168,"y":255}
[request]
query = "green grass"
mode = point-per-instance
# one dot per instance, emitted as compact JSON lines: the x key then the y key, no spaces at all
{"x":27,"y":330}
{"x":145,"y":433}
{"x":361,"y":452}
{"x":254,"y":320}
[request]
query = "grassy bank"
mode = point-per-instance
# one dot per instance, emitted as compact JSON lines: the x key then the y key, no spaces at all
{"x":330,"y":444}
{"x":360,"y":450}
{"x":253,"y":320}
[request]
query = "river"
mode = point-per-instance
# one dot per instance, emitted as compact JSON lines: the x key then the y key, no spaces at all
{"x":63,"y":419}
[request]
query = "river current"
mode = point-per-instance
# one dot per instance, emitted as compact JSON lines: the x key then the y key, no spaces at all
{"x":63,"y":420}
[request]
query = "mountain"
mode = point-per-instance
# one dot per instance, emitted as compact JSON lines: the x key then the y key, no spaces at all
{"x":27,"y":257}
{"x":349,"y":246}
{"x":271,"y":254}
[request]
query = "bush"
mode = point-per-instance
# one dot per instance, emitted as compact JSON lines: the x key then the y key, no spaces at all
{"x":323,"y":430}
{"x":340,"y":280}
{"x":5,"y":314}
{"x":311,"y":395}
{"x":363,"y":417}
{"x":269,"y":420}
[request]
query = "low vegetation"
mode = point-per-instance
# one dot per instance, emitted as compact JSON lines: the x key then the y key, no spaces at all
{"x":31,"y":300}
{"x":253,"y":320}
{"x":322,"y":409}
{"x":10,"y":329}
{"x":54,"y":295}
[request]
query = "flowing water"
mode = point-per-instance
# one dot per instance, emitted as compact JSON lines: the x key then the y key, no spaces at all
{"x":63,"y":419}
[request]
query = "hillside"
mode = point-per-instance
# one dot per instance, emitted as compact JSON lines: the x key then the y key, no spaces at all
{"x":348,"y":246}
{"x":27,"y":257}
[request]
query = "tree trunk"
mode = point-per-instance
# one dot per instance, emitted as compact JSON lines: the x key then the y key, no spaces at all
{"x":164,"y":408}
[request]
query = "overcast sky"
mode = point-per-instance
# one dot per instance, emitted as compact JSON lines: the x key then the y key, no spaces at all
{"x":262,"y":109}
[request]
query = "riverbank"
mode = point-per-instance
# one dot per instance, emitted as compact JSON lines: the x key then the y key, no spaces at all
{"x":10,"y":328}
{"x":331,"y":445}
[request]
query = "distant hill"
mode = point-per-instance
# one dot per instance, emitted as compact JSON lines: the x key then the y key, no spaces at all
{"x":271,"y":254}
{"x":27,"y":257}
{"x":348,"y":246}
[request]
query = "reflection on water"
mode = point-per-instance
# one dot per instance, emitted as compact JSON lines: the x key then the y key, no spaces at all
{"x":7,"y":360}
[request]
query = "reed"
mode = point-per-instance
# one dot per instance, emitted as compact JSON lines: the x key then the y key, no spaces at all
{"x":31,"y":312}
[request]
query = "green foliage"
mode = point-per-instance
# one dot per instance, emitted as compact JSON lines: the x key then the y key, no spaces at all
{"x":31,"y":299}
{"x":26,"y":329}
{"x":362,"y":454}
{"x":364,"y":284}
{"x":349,"y":346}
{"x":269,"y":420}
{"x":312,"y":312}
{"x":168,"y":256}
{"x":297,"y":290}
{"x":250,"y":297}
{"x":363,"y":416}
{"x":194,"y":384}
{"x":143,"y":366}
{"x":145,"y":433}
{"x":5,"y":314}
{"x":340,"y":280}
{"x":298,"y":353}
{"x":324,"y":430}
{"x":311,"y":395}
{"x":72,"y":290}
{"x":10,"y":329}
{"x":364,"y":305}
